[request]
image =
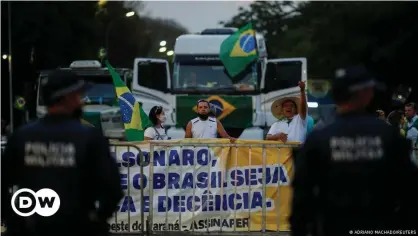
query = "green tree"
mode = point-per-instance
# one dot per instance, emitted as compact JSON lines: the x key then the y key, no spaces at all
{"x":334,"y":34}
{"x":268,"y":17}
{"x":136,"y":36}
{"x":56,"y":33}
{"x":159,"y":29}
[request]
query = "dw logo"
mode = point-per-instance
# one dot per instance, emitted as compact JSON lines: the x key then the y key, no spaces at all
{"x":45,"y":202}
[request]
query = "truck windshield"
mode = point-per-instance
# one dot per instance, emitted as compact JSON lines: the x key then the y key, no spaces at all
{"x":101,"y":90}
{"x":209,"y":76}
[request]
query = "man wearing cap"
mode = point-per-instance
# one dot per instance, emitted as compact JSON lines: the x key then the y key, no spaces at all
{"x":59,"y":153}
{"x":291,"y":113}
{"x":346,"y":172}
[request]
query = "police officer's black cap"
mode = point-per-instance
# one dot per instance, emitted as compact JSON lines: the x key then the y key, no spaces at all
{"x":60,"y":83}
{"x":353,"y":79}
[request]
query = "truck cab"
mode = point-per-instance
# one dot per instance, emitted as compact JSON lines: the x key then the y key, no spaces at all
{"x":243,"y":107}
{"x":320,"y":99}
{"x":101,"y":109}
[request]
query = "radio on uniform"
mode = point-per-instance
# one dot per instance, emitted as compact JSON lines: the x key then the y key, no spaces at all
{"x":50,"y":154}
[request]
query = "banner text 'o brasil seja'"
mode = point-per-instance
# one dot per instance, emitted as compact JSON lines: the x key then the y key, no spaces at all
{"x":204,"y":189}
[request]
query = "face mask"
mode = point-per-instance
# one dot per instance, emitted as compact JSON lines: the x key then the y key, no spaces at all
{"x":202,"y":116}
{"x":162,"y":119}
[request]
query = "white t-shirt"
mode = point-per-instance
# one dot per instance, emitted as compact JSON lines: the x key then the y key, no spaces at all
{"x":204,"y":128}
{"x":295,"y":130}
{"x":412,"y":133}
{"x":156,"y":133}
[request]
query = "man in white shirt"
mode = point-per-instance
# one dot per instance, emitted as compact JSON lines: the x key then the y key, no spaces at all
{"x":411,"y":127}
{"x":291,"y":113}
{"x":205,"y":126}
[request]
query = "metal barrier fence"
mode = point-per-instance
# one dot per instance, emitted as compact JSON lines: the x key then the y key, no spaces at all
{"x":115,"y":148}
{"x":146,"y":162}
{"x":146,"y":224}
{"x":179,"y":221}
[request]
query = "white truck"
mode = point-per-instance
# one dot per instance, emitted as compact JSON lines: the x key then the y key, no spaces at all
{"x":101,"y":108}
{"x":243,"y":107}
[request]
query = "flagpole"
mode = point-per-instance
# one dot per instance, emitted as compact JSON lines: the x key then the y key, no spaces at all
{"x":254,"y":69}
{"x":254,"y":32}
{"x":10,"y":63}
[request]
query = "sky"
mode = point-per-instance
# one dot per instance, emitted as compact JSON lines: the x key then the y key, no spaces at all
{"x":195,"y":15}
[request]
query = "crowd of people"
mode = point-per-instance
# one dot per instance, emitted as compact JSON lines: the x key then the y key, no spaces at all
{"x":342,"y":169}
{"x":342,"y":176}
{"x":345,"y":170}
{"x":293,"y":123}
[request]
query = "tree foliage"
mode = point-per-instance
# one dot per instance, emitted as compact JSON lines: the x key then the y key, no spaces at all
{"x":159,"y":29}
{"x":382,"y":35}
{"x":56,"y":33}
{"x":61,"y":32}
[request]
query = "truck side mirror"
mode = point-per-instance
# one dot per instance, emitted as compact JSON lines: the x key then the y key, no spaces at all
{"x":128,"y":79}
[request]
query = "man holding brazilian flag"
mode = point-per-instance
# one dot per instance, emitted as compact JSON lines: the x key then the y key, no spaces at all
{"x":133,"y":116}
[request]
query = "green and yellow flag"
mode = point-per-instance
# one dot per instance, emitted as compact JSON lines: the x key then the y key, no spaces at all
{"x":134,"y":118}
{"x":20,"y":103}
{"x":239,"y":50}
{"x":86,"y":123}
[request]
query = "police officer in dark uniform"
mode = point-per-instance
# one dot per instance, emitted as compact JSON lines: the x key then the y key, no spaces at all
{"x":356,"y":173}
{"x":59,"y":153}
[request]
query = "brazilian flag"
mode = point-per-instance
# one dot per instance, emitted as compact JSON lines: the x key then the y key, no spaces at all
{"x":134,"y":118}
{"x":102,"y":53}
{"x":20,"y":103}
{"x":239,"y":51}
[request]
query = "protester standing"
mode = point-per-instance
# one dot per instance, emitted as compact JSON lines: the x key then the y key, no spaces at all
{"x":310,"y":124}
{"x":205,"y":126}
{"x":411,"y":127}
{"x":156,"y":132}
{"x":397,"y":119}
{"x":381,"y":114}
{"x":291,"y":113}
{"x":327,"y":117}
